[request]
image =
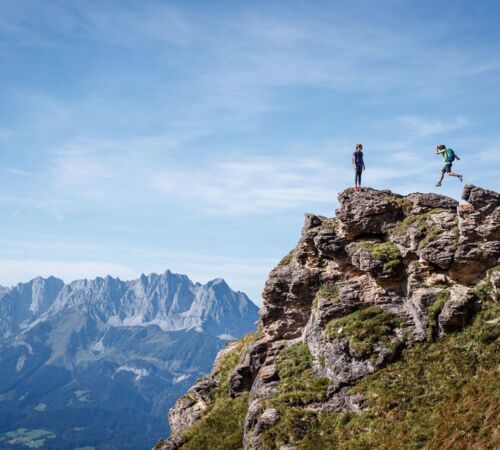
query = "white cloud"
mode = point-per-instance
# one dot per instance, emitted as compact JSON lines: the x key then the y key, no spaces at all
{"x":253,"y":184}
{"x":425,"y":127}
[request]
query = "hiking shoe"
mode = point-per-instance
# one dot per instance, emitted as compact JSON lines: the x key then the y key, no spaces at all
{"x":461,"y":178}
{"x":438,"y":184}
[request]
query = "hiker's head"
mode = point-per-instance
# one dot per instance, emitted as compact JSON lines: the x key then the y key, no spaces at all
{"x":359,"y":147}
{"x":441,"y":147}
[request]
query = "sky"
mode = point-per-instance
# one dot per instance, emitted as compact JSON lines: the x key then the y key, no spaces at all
{"x":137,"y":137}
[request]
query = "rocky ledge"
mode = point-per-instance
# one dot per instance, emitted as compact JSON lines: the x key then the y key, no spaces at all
{"x":379,"y":330}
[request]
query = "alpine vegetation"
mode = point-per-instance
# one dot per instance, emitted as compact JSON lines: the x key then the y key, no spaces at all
{"x":380,"y":330}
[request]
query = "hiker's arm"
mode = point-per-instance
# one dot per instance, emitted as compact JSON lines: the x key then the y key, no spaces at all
{"x":353,"y":162}
{"x":456,"y":156}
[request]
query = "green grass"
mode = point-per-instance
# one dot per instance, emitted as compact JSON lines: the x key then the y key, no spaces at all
{"x":222,"y":425}
{"x":493,"y":269}
{"x":298,"y":387}
{"x":287,"y":259}
{"x":432,"y":234}
{"x":443,"y":395}
{"x":483,"y":290}
{"x":418,"y":221}
{"x":365,"y":330}
{"x":329,"y":293}
{"x":403,"y":202}
{"x":421,"y":223}
{"x":433,"y":314}
{"x":388,"y":253}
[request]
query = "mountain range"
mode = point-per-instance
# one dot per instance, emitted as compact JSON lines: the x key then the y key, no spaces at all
{"x":95,"y":364}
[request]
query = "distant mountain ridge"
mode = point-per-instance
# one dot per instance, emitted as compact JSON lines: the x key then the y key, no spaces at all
{"x":171,"y":301}
{"x":86,"y":359}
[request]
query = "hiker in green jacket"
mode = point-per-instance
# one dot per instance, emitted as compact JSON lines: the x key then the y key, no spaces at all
{"x":449,"y":156}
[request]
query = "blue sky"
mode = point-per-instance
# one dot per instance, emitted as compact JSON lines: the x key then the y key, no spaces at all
{"x":141,"y":136}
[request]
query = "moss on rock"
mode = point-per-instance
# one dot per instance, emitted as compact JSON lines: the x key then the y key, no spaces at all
{"x":287,"y":259}
{"x":329,"y":293}
{"x":387,"y":253}
{"x":365,"y":330}
{"x":440,"y":395}
{"x":433,"y":314}
{"x":297,"y":388}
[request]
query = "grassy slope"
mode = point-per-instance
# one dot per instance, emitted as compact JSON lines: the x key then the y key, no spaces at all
{"x":222,"y":425}
{"x":442,"y":395}
{"x":438,"y":395}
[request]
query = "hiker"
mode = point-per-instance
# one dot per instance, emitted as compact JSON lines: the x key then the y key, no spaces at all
{"x":449,"y":156}
{"x":359,"y":165}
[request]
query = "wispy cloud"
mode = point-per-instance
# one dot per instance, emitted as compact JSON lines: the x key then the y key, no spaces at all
{"x":426,"y":127}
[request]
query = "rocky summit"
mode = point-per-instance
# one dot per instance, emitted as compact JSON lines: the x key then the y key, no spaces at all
{"x":380,"y":329}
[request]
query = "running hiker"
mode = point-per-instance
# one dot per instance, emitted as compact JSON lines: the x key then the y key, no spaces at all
{"x":359,"y":165}
{"x":449,"y":156}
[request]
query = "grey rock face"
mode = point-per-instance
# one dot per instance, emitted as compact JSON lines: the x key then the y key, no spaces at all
{"x":457,"y":311}
{"x":191,"y":406}
{"x":339,"y":274}
{"x":242,"y":377}
{"x":369,"y":212}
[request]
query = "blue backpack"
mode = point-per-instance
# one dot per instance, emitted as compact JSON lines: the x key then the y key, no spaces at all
{"x":450,"y":155}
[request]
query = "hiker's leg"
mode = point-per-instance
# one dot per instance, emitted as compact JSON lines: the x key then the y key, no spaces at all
{"x":453,"y":174}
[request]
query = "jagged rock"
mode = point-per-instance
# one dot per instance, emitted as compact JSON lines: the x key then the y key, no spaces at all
{"x":267,"y":419}
{"x":269,"y":373}
{"x":417,"y":307}
{"x":287,"y":300}
{"x":242,"y":377}
{"x":337,"y":280}
{"x":174,"y":442}
{"x":457,"y":311}
{"x":481,"y":198}
{"x":422,"y":203}
{"x":479,"y":239}
{"x":363,"y":255}
{"x":192,"y":405}
{"x":369,"y":212}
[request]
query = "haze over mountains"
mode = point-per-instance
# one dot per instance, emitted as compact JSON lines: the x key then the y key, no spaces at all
{"x":97,"y":363}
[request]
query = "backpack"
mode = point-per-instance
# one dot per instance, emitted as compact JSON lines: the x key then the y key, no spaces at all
{"x":450,"y":155}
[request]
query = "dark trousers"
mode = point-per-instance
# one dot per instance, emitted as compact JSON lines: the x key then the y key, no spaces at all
{"x":357,"y":176}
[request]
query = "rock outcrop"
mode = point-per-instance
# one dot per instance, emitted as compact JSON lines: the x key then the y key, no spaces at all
{"x":386,"y":275}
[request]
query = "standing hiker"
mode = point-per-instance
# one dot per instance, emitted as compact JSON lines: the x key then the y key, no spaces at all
{"x":449,"y":156}
{"x":359,"y":166}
